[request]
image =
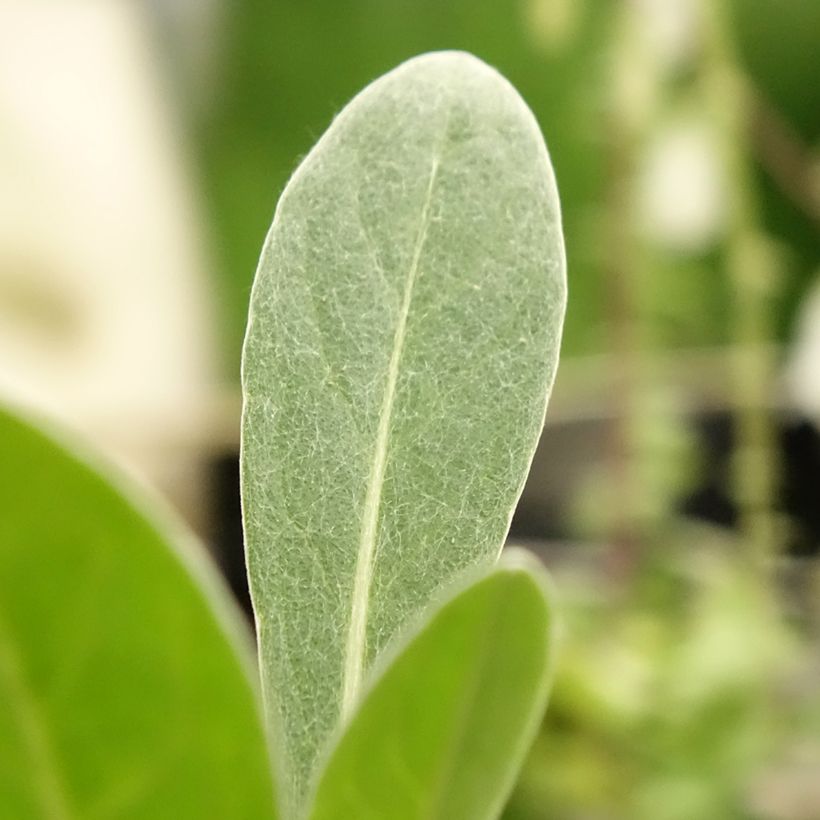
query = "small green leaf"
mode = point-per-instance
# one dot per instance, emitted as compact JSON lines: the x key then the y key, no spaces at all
{"x":124,"y":689}
{"x":442,"y":733}
{"x":402,"y":341}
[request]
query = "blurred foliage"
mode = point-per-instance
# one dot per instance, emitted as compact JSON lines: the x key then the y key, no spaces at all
{"x":677,"y":703}
{"x":779,"y":49}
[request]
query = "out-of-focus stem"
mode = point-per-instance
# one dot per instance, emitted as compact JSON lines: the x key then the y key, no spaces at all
{"x":749,"y":268}
{"x":785,"y":156}
{"x":625,"y":125}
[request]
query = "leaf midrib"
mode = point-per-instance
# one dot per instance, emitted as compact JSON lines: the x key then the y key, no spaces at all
{"x":356,"y":643}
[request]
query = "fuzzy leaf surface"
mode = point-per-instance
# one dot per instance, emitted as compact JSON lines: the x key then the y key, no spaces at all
{"x":442,"y":733}
{"x":403,"y":336}
{"x":125,"y":675}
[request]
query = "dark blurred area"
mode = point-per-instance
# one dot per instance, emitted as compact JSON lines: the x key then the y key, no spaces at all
{"x":143,"y":146}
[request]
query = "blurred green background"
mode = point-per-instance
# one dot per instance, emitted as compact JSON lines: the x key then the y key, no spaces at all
{"x":143,"y":146}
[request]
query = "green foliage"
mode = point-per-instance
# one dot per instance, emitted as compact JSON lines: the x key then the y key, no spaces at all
{"x":681,"y":702}
{"x":441,"y":734}
{"x":403,"y":337}
{"x":125,"y":686}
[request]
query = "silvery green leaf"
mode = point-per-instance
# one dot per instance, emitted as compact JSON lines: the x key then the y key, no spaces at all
{"x":441,"y":733}
{"x":402,"y":341}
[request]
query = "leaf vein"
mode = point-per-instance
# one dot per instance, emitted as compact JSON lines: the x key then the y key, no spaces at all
{"x":356,"y":643}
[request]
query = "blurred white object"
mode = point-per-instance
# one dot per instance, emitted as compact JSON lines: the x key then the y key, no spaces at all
{"x":803,"y":367}
{"x":105,"y":317}
{"x":683,"y":187}
{"x":671,"y":30}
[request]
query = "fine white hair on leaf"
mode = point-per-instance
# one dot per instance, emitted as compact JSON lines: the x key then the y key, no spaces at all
{"x":403,"y":337}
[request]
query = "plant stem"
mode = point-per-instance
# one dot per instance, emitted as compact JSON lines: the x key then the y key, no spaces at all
{"x":750,"y":272}
{"x":625,"y":125}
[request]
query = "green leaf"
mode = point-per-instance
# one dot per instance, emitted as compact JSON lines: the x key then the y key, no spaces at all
{"x":402,"y":341}
{"x":442,"y":733}
{"x":124,"y":688}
